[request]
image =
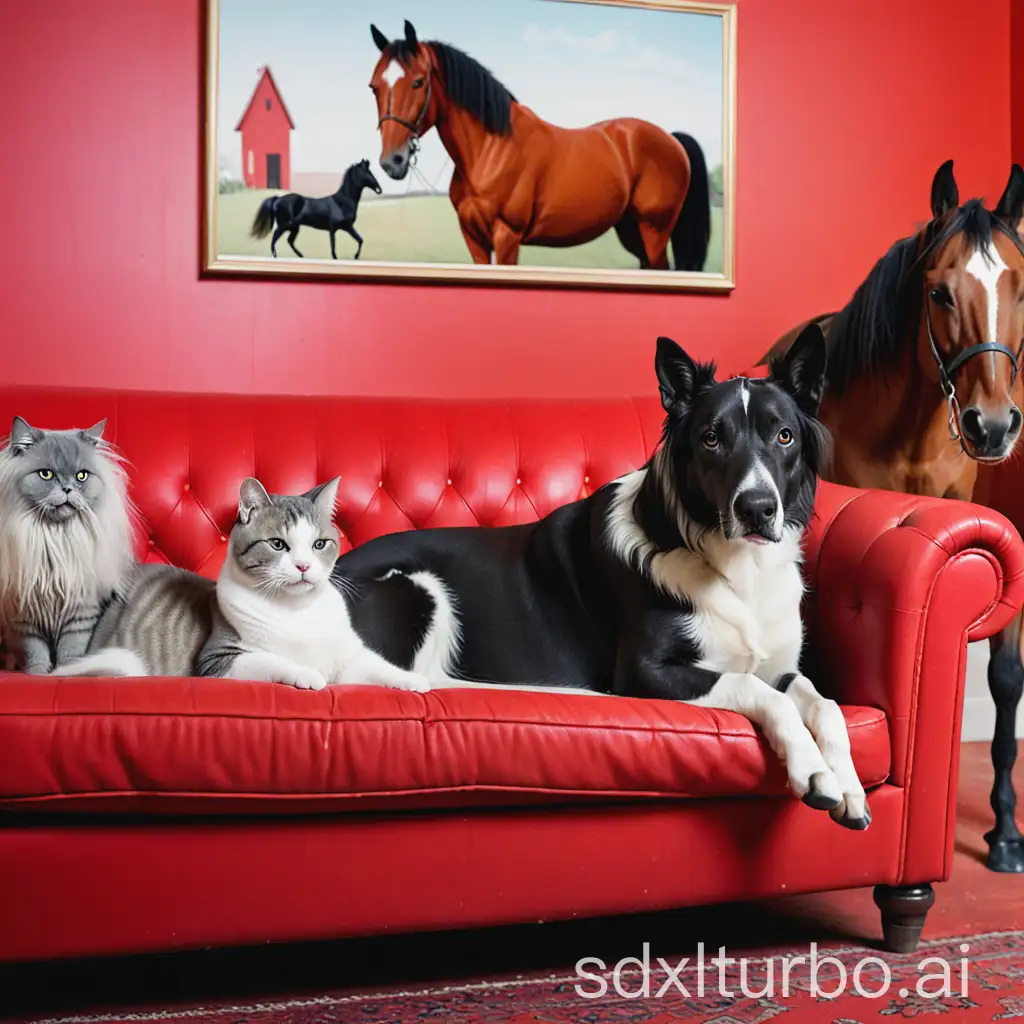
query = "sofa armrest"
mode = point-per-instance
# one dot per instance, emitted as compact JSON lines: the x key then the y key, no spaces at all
{"x":898,"y":586}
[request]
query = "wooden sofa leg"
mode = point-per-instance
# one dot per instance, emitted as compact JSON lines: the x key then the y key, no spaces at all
{"x":904,"y":908}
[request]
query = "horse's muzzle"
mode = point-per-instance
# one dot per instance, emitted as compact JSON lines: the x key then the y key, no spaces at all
{"x":396,"y":164}
{"x":990,"y":438}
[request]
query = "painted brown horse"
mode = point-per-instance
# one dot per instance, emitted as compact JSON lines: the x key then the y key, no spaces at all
{"x":519,"y":180}
{"x":923,"y":388}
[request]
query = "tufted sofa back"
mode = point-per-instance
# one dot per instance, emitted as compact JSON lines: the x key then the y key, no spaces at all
{"x":404,"y":463}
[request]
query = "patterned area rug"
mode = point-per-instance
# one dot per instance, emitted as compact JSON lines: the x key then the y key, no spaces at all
{"x":979,"y":978}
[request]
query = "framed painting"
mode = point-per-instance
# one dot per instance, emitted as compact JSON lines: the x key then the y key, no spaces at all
{"x":587,"y":143}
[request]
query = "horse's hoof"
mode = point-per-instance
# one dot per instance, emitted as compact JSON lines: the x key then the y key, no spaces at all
{"x":1005,"y":856}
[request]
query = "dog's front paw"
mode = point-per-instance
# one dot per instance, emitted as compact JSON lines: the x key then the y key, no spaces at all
{"x":303,"y":678}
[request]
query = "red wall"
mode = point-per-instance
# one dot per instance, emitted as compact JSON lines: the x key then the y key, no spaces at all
{"x":845,"y":111}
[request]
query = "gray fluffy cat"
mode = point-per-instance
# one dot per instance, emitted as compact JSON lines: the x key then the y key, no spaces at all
{"x":279,"y":617}
{"x":65,"y":540}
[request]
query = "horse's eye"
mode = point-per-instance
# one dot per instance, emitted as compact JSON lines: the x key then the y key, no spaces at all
{"x":418,"y":84}
{"x":941,"y":297}
{"x":709,"y":439}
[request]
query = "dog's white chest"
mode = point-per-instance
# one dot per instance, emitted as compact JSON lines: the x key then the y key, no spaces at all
{"x":746,"y":605}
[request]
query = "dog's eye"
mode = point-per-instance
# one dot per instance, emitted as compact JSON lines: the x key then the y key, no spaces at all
{"x":941,"y":297}
{"x":82,"y":475}
{"x":276,"y":543}
{"x":46,"y":474}
{"x":709,"y":439}
{"x":785,"y":437}
{"x":319,"y":545}
{"x":418,"y":84}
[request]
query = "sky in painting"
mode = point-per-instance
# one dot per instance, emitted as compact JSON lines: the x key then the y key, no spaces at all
{"x":571,"y":63}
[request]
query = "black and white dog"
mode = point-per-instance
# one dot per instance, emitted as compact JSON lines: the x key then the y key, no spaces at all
{"x":679,"y":581}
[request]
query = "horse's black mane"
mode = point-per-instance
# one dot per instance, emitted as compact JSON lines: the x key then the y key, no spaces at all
{"x":347,"y":187}
{"x":468,"y":83}
{"x":870,"y":333}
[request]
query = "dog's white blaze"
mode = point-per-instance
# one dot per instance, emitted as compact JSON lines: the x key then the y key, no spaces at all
{"x":745,"y":396}
{"x":987,"y":266}
{"x":756,"y":479}
{"x":393,"y":73}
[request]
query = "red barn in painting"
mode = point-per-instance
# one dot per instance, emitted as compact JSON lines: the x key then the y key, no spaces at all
{"x":266,"y":143}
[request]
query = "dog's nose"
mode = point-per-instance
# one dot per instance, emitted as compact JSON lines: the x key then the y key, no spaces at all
{"x":756,"y":508}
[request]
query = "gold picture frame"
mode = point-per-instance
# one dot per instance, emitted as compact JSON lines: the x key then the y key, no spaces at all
{"x":218,"y":262}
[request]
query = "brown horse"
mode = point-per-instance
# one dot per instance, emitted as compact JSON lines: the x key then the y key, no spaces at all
{"x":519,"y":180}
{"x":923,"y":386}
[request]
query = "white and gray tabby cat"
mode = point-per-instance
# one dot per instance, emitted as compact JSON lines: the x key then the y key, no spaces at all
{"x":155,"y":626}
{"x":65,"y":540}
{"x":279,"y":618}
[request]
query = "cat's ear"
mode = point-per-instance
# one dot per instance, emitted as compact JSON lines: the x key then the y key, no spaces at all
{"x":251,"y":496}
{"x":22,"y":436}
{"x":95,"y":432}
{"x":324,"y":496}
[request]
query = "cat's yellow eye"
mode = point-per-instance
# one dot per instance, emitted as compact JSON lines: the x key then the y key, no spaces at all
{"x":82,"y":475}
{"x":46,"y":474}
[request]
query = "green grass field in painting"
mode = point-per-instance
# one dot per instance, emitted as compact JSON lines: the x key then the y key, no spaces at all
{"x":417,"y":229}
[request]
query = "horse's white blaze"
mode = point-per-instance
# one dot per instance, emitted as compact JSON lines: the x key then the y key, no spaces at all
{"x":392,"y":73}
{"x":987,"y":267}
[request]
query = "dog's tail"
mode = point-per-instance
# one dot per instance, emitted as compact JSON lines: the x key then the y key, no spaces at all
{"x":692,"y":233}
{"x":111,"y":661}
{"x":263,"y":223}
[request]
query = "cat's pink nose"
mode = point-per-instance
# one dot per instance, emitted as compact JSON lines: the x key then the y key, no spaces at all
{"x":303,"y":567}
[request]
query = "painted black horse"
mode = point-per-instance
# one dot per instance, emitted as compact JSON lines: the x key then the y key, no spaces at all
{"x":331,"y":213}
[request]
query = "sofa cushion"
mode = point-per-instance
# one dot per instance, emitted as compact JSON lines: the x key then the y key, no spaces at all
{"x":187,"y":746}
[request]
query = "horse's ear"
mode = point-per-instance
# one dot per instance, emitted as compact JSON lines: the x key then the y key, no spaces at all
{"x":1011,"y":204}
{"x":945,"y":194}
{"x":410,"y":36}
{"x":801,"y":371}
{"x":379,"y":38}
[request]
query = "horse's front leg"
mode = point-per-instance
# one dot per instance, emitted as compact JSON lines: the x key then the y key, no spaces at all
{"x":1006,"y":681}
{"x":350,"y":228}
{"x":506,"y":244}
{"x":334,"y":251}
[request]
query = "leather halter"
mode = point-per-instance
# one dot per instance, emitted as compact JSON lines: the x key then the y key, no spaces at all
{"x":948,"y":371}
{"x":412,"y":126}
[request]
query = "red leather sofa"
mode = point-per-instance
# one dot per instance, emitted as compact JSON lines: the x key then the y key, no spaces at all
{"x":157,"y":814}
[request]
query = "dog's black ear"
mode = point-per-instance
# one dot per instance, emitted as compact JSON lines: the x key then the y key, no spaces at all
{"x":379,"y":38}
{"x":801,"y":371}
{"x":945,"y":194}
{"x":410,"y":37}
{"x":680,"y":379}
{"x":1010,"y":207}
